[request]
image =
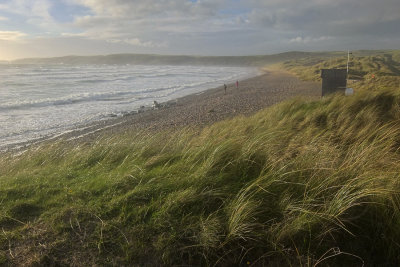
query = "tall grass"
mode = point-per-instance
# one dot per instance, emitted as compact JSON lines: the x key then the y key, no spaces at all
{"x":301,"y":183}
{"x":372,"y":72}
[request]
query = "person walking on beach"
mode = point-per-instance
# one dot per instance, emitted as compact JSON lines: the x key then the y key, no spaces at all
{"x":237,"y":84}
{"x":225,"y":88}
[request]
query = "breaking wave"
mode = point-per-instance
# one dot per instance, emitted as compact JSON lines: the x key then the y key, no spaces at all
{"x":40,"y":100}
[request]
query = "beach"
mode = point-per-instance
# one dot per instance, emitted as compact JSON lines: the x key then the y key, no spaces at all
{"x":196,"y":110}
{"x":156,"y":182}
{"x":207,"y":107}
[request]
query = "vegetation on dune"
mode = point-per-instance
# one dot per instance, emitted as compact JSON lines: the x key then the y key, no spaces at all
{"x":301,"y":183}
{"x":366,"y":71}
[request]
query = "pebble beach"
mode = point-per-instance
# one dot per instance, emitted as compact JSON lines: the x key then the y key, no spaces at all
{"x":198,"y":110}
{"x":210,"y":106}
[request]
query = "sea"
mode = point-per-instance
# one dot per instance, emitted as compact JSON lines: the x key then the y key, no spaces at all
{"x":40,"y":101}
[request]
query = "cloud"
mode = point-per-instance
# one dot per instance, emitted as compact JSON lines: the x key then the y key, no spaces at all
{"x":150,"y":23}
{"x":205,"y":26}
{"x":153,"y":15}
{"x":285,"y":19}
{"x":28,"y":8}
{"x":11,"y":35}
{"x":308,"y":39}
{"x":322,"y":17}
{"x":136,"y":9}
{"x":31,"y":17}
{"x":137,"y":42}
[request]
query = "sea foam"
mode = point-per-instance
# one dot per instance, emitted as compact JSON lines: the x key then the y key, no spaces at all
{"x":38,"y":101}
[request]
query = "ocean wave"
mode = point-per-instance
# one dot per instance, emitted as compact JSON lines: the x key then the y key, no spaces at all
{"x":99,"y":96}
{"x":52,"y":98}
{"x":72,"y":99}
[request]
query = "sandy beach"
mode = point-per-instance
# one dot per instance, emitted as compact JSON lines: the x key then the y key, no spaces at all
{"x":201,"y":109}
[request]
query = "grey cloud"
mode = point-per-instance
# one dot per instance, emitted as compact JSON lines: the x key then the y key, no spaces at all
{"x":284,"y":24}
{"x":118,"y":20}
{"x":136,"y":9}
{"x":329,"y":17}
{"x":224,"y":26}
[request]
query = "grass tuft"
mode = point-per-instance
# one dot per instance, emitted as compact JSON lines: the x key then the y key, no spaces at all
{"x":300,"y":183}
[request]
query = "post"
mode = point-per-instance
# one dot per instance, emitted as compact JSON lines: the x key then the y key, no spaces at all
{"x":348,"y":60}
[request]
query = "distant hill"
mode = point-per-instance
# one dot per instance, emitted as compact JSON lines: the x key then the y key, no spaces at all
{"x":168,"y":60}
{"x":149,"y":59}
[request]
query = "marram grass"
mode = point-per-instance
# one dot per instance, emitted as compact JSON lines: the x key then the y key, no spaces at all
{"x":301,"y":183}
{"x":372,"y":72}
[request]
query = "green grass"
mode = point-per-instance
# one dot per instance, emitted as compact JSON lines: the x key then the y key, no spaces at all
{"x":301,"y":183}
{"x":384,"y":65}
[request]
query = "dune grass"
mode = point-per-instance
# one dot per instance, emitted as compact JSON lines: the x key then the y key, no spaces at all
{"x":366,"y":71}
{"x":301,"y":183}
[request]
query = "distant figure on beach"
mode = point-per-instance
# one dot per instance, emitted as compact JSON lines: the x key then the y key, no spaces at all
{"x":237,"y":84}
{"x":156,"y":105}
{"x":225,"y":87}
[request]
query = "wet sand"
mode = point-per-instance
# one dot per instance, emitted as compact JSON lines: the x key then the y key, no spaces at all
{"x":201,"y":109}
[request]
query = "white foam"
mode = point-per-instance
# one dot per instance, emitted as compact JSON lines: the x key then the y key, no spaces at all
{"x":38,"y":101}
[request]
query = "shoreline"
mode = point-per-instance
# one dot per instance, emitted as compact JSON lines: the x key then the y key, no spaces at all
{"x":194,"y":110}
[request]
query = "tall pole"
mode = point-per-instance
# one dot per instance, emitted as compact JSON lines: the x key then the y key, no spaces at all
{"x":348,"y":60}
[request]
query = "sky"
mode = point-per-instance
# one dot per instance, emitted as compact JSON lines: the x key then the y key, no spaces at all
{"x":48,"y":28}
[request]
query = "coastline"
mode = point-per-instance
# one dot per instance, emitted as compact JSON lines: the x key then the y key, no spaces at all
{"x":195,"y":110}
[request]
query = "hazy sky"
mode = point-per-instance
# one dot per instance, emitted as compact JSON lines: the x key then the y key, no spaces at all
{"x":42,"y":28}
